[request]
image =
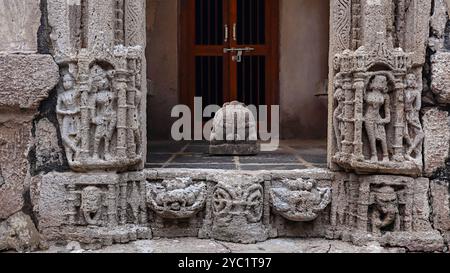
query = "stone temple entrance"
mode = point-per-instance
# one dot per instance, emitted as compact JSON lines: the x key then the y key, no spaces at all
{"x":75,"y":154}
{"x":298,"y":80}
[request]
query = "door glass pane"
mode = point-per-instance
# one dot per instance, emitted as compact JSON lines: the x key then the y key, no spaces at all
{"x":251,"y":84}
{"x":209,"y":79}
{"x":209,"y":26}
{"x":251,"y":22}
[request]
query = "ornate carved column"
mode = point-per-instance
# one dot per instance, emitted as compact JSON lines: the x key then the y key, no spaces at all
{"x":104,"y":126}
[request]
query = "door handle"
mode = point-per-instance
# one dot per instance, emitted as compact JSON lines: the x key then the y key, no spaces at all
{"x":239,"y":52}
{"x":235,"y":49}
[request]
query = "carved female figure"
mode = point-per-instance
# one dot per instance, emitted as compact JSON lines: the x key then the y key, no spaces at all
{"x":105,"y":117}
{"x":68,"y":107}
{"x":339,"y":97}
{"x":135,"y":128}
{"x":377,"y":101}
{"x":413,"y":131}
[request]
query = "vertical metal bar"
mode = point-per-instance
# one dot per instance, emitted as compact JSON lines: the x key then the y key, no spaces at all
{"x":208,"y":20}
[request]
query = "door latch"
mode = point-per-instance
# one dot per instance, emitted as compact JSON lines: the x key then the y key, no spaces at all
{"x":239,"y":52}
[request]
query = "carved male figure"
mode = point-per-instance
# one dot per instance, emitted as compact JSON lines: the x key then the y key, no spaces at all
{"x":105,"y":117}
{"x":377,"y":101}
{"x":339,"y":97}
{"x":386,"y":212}
{"x":135,"y":128}
{"x":413,"y":131}
{"x":91,"y":205}
{"x":68,"y":107}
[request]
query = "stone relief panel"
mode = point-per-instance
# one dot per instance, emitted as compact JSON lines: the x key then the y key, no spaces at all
{"x":19,"y":21}
{"x":299,"y":200}
{"x":92,"y":203}
{"x":376,"y":120}
{"x":386,"y":209}
{"x":99,"y":106}
{"x":389,"y":37}
{"x":177,"y":198}
{"x":238,"y":205}
{"x":99,"y":46}
{"x":96,"y":209}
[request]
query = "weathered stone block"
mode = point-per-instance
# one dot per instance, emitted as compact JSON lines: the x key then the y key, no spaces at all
{"x":238,"y":209}
{"x":19,"y":233}
{"x":440,"y":201}
{"x":14,"y":139}
{"x":26,"y":80}
{"x":234,"y":131}
{"x":440,"y":76}
{"x":19,"y":24}
{"x":437,"y":139}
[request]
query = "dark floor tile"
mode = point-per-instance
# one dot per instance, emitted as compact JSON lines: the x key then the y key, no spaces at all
{"x":153,"y":166}
{"x":203,"y":159}
{"x":165,"y":146}
{"x":156,"y":158}
{"x":269,"y":158}
{"x":197,"y":149}
{"x":202,"y":166}
{"x":268,"y":167}
{"x":316,"y":159}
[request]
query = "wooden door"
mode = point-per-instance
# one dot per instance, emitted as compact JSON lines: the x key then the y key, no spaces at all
{"x":229,"y":51}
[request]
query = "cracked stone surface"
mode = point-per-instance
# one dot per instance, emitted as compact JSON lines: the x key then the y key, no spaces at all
{"x":192,"y":245}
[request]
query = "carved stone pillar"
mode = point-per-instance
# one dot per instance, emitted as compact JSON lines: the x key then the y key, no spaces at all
{"x":104,"y":71}
{"x":369,"y":125}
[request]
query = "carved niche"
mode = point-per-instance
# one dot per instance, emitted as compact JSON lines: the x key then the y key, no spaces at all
{"x":99,"y":46}
{"x":99,"y":108}
{"x":376,"y":111}
{"x":299,"y":200}
{"x":106,"y":200}
{"x":92,"y":203}
{"x":376,"y":92}
{"x":178,"y":198}
{"x":385,"y":205}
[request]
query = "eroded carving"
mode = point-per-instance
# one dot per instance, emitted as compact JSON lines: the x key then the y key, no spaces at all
{"x":378,"y":111}
{"x":92,"y":205}
{"x":299,"y":200}
{"x":247,"y":203}
{"x":178,"y":198}
{"x":377,"y":102}
{"x":234,"y":131}
{"x":385,"y":210}
{"x":68,"y":110}
{"x":414,"y":133}
{"x":99,"y":108}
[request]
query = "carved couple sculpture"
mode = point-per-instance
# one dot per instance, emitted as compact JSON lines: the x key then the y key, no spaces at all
{"x":103,"y":116}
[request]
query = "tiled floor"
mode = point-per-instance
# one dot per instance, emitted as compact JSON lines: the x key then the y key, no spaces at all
{"x":291,"y":155}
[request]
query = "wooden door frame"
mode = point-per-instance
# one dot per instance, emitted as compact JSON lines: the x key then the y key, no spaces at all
{"x":186,"y":24}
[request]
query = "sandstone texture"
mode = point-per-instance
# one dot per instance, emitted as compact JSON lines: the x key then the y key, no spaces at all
{"x":19,"y":233}
{"x":437,"y":139}
{"x":440,"y":85}
{"x":192,"y":245}
{"x":26,"y":80}
{"x":19,"y":24}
